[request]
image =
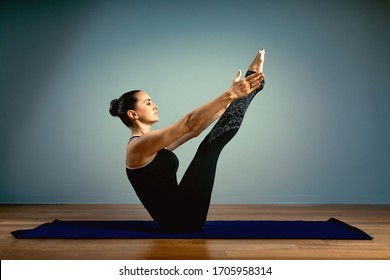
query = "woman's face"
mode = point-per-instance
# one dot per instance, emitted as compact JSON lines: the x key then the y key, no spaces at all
{"x":146,"y":110}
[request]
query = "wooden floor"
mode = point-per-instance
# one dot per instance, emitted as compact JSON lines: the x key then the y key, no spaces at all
{"x":373,"y":219}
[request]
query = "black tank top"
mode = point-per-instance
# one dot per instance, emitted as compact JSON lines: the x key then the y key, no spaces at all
{"x":155,"y":183}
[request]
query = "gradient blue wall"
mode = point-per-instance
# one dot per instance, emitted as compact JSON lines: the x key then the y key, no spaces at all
{"x":318,"y":133}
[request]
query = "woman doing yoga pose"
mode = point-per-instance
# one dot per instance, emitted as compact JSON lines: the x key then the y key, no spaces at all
{"x":151,"y":165}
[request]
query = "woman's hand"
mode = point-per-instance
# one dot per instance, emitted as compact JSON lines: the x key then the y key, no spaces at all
{"x":241,"y":88}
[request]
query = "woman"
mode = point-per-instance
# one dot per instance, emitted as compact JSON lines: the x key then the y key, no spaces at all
{"x":151,"y":165}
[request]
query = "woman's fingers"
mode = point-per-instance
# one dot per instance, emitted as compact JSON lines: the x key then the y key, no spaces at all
{"x":251,"y":78}
{"x":255,"y":79}
{"x":238,"y":76}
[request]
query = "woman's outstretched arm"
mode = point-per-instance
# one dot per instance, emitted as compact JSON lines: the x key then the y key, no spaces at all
{"x":143,"y":149}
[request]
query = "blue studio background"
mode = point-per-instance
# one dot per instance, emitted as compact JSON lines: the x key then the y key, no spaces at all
{"x":318,"y":133}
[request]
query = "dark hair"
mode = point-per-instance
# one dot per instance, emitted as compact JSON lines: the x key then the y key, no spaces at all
{"x":120,"y":106}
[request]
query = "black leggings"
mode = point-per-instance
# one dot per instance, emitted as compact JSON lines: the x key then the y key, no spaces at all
{"x":191,"y":203}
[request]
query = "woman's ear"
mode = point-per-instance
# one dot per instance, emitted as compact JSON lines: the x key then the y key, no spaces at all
{"x":132,"y":115}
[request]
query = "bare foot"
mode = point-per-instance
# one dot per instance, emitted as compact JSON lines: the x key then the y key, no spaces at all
{"x":257,"y":63}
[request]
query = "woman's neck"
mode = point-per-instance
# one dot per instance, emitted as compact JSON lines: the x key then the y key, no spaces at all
{"x":140,"y":129}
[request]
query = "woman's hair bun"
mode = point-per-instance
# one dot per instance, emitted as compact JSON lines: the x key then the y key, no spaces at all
{"x":114,"y":106}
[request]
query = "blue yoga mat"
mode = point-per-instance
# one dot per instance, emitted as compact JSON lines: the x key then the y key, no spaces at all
{"x":330,"y":229}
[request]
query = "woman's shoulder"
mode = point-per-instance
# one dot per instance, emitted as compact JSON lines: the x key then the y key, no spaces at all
{"x":134,"y":158}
